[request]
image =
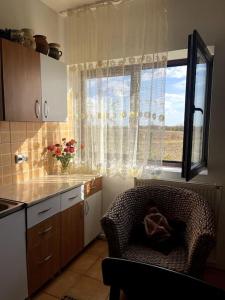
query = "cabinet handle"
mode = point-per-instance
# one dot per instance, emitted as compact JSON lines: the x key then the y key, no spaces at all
{"x":45,"y":231}
{"x":85,"y":208}
{"x":72,"y":198}
{"x":82,"y":210}
{"x":47,"y":258}
{"x":88,"y":208}
{"x":44,"y":211}
{"x":46,"y":109}
{"x":37,"y":109}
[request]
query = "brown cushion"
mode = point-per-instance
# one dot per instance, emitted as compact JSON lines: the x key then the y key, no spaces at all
{"x":158,"y":233}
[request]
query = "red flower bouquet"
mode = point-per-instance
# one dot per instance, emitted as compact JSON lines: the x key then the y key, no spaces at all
{"x":65,"y":152}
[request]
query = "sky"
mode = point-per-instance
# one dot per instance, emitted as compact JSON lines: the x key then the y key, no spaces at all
{"x":175,"y":95}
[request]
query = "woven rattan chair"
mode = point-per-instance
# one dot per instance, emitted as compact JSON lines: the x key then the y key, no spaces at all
{"x":179,"y":204}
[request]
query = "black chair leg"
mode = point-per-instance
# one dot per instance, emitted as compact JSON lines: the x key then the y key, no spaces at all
{"x":114,"y":293}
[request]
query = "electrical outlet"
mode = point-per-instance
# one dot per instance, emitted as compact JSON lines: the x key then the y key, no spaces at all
{"x":19,"y":158}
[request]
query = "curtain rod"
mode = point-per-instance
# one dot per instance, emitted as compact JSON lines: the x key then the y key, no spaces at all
{"x":94,"y":5}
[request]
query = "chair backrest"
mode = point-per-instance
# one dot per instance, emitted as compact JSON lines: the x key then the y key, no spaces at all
{"x":142,"y":281}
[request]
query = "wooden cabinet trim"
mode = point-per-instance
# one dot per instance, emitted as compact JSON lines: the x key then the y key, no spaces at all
{"x":93,"y":186}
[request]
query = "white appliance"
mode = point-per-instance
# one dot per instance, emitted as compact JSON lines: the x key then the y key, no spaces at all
{"x":13,"y":271}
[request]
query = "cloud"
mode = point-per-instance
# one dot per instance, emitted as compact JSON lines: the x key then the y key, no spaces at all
{"x":180,"y":84}
{"x":150,"y":74}
{"x":174,"y":109}
{"x":176,"y":72}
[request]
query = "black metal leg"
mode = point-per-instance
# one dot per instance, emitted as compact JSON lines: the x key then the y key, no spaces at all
{"x":114,"y":293}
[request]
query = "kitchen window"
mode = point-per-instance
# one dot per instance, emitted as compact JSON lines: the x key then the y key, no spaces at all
{"x":174,"y":102}
{"x":187,"y":105}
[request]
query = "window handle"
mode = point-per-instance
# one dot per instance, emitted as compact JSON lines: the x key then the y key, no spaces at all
{"x":198,"y":109}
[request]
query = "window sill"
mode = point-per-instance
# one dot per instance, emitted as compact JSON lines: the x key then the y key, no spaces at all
{"x":177,"y":170}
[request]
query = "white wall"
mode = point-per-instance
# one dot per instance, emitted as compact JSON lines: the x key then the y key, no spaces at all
{"x":17,"y":14}
{"x":208,"y":17}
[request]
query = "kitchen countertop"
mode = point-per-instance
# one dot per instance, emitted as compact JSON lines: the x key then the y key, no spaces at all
{"x":38,"y":189}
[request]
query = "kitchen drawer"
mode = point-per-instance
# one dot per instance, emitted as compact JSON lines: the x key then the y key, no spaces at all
{"x":43,"y":210}
{"x":92,"y":187}
{"x":43,"y":252}
{"x":70,"y":198}
{"x":42,"y":232}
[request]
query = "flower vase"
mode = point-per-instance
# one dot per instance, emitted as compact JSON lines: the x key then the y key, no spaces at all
{"x":65,"y":167}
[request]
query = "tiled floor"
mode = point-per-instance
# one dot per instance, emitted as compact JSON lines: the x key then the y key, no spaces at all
{"x":82,"y":278}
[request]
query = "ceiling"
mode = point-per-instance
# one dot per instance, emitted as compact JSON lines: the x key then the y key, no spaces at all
{"x":61,"y":5}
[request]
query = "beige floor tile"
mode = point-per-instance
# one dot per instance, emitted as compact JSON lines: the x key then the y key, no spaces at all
{"x":89,"y":289}
{"x":82,"y":263}
{"x":98,"y":247}
{"x":44,"y":296}
{"x":62,"y":283}
{"x":95,"y":271}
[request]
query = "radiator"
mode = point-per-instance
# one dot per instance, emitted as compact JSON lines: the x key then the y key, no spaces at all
{"x":212,"y":193}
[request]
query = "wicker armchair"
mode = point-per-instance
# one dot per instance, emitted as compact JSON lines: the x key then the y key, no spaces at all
{"x":183,"y":205}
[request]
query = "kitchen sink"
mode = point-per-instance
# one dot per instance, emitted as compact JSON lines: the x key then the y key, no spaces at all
{"x":3,"y":206}
{"x":8,"y":206}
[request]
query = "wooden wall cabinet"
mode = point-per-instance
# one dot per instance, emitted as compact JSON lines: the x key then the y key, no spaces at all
{"x":21,"y":82}
{"x":33,"y":86}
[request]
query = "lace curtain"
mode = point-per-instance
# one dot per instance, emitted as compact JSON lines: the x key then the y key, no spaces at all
{"x":117,"y":67}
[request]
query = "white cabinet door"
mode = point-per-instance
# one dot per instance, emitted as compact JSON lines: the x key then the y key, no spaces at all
{"x":54,"y":89}
{"x":92,"y":216}
{"x":13,"y":270}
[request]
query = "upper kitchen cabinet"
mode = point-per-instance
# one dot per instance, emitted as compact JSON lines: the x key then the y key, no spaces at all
{"x":33,"y":86}
{"x":54,"y":89}
{"x":21,"y":82}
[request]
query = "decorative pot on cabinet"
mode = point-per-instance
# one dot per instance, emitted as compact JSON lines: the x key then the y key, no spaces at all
{"x":41,"y":44}
{"x":17,"y":36}
{"x":28,"y":38}
{"x":54,"y":51}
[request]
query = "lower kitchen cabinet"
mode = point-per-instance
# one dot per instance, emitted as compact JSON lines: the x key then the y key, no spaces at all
{"x":43,"y":252}
{"x":92,"y":217}
{"x":72,"y":232}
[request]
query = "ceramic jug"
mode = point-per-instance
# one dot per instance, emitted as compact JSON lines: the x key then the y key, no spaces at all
{"x":54,"y":51}
{"x":41,"y":44}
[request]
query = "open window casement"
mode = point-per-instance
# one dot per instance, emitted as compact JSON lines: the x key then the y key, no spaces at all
{"x":197,"y":107}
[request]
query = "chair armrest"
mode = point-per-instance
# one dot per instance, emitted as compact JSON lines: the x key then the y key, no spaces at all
{"x":201,"y":237}
{"x":127,"y":210}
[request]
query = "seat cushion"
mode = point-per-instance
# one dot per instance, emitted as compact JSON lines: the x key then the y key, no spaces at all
{"x":176,"y":260}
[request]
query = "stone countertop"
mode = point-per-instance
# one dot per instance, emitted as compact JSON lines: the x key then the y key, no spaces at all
{"x":38,"y":189}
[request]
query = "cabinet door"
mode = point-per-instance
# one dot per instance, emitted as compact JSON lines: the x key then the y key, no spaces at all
{"x":54,"y":89}
{"x":21,"y":82}
{"x":72,"y":232}
{"x":43,"y":252}
{"x":92,"y":216}
{"x":13,"y":273}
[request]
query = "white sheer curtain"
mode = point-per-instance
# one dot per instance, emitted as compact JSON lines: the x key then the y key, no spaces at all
{"x":117,"y":66}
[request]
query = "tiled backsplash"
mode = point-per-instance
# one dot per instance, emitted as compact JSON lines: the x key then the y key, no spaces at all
{"x":30,"y":138}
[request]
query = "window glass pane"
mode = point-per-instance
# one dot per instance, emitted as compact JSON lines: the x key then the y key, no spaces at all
{"x":174,"y":112}
{"x":199,"y":102}
{"x":108,"y":106}
{"x":112,"y":94}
